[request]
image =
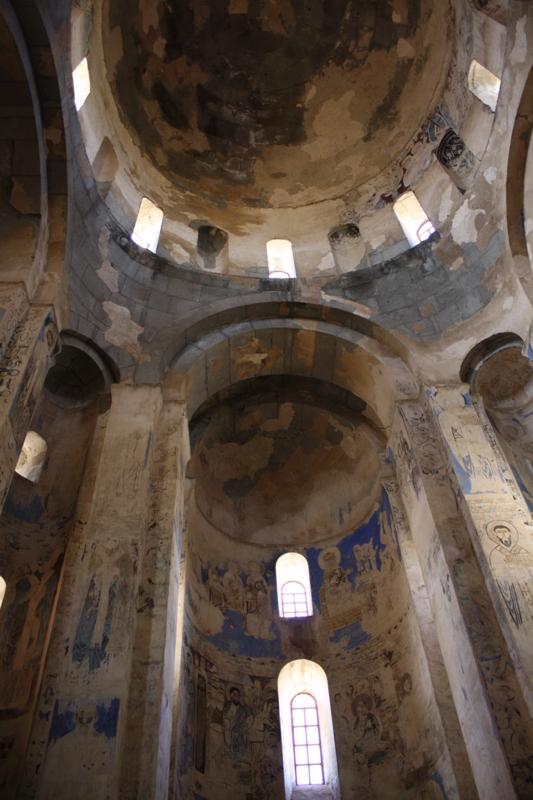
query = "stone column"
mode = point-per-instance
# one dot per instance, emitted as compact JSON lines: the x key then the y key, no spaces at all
{"x":494,"y":718}
{"x":79,"y":732}
{"x":28,"y":342}
{"x":430,"y":641}
{"x":146,"y":762}
{"x":499,"y":522}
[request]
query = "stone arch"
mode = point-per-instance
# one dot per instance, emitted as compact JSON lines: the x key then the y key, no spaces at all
{"x":39,"y":189}
{"x":344,"y":358}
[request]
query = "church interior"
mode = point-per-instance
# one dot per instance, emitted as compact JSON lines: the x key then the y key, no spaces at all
{"x":266,"y":400}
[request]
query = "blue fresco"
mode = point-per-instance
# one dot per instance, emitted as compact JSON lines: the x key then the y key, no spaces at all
{"x":437,"y":777}
{"x":61,"y":724}
{"x":31,"y":512}
{"x":523,"y":488}
{"x":237,"y":635}
{"x":107,"y":718}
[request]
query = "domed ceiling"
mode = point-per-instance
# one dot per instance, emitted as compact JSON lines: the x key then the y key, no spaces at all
{"x":274,"y":103}
{"x":283,"y":469}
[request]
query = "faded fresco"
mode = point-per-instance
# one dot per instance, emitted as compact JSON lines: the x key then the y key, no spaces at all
{"x":228,"y":720}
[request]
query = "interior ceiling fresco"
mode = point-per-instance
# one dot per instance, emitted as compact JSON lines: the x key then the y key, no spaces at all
{"x":276,"y":104}
{"x":269,"y":119}
{"x":372,"y":414}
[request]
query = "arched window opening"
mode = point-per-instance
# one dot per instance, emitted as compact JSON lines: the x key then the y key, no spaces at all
{"x":82,"y":83}
{"x":484,"y":84}
{"x":280,"y":259}
{"x":307,"y":738}
{"x":306,"y":741}
{"x":294,"y":586}
{"x":212,"y":248}
{"x":32,"y":457}
{"x":413,"y":219}
{"x":105,"y":165}
{"x":2,"y":590}
{"x":148,"y":225}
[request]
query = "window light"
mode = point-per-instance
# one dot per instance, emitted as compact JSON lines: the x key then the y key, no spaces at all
{"x":280,"y":259}
{"x":306,"y":741}
{"x":294,"y":586}
{"x":413,"y":219}
{"x":32,"y":457}
{"x":484,"y":84}
{"x":148,"y":225}
{"x":2,"y":590}
{"x":307,"y":738}
{"x":82,"y":83}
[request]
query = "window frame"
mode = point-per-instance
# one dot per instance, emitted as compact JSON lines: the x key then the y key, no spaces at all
{"x":307,"y":677}
{"x":307,"y":744}
{"x":293,"y":567}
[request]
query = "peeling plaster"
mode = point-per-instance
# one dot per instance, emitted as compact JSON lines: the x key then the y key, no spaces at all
{"x":253,"y":358}
{"x":335,"y":128}
{"x":446,"y":204}
{"x":464,"y":224}
{"x":519,"y":51}
{"x":405,"y":49}
{"x":124,"y":331}
{"x":490,"y":174}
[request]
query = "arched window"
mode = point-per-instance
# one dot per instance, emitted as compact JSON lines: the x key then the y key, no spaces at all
{"x":484,"y":84}
{"x":308,"y":742}
{"x":2,"y":590}
{"x":294,"y":586}
{"x":148,"y":225}
{"x":413,"y":219}
{"x":32,"y":457}
{"x":280,"y":259}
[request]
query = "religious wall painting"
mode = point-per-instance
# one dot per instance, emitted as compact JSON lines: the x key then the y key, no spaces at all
{"x":229,"y":732}
{"x":512,"y":567}
{"x":83,"y":648}
{"x":366,"y":716}
{"x":472,"y":457}
{"x":24,"y":621}
{"x":362,"y":559}
{"x":232,"y":603}
{"x":87,"y":726}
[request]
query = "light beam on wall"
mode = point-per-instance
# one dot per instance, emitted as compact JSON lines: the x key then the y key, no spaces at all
{"x":82,"y":83}
{"x":148,"y":225}
{"x":413,"y":219}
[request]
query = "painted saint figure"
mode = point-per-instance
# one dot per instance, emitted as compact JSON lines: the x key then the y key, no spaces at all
{"x":235,"y":716}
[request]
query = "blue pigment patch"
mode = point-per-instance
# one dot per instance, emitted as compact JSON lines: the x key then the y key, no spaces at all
{"x":525,"y":491}
{"x":235,"y":640}
{"x":107,"y":720}
{"x":437,"y":777}
{"x":61,"y":724}
{"x":357,"y":636}
{"x":31,"y":513}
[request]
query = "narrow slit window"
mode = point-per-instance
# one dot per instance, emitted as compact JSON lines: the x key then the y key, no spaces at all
{"x":484,"y":84}
{"x":294,"y":586}
{"x":2,"y":590}
{"x":148,"y":225}
{"x":82,"y":83}
{"x":280,"y":259}
{"x":306,"y":741}
{"x":413,"y":219}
